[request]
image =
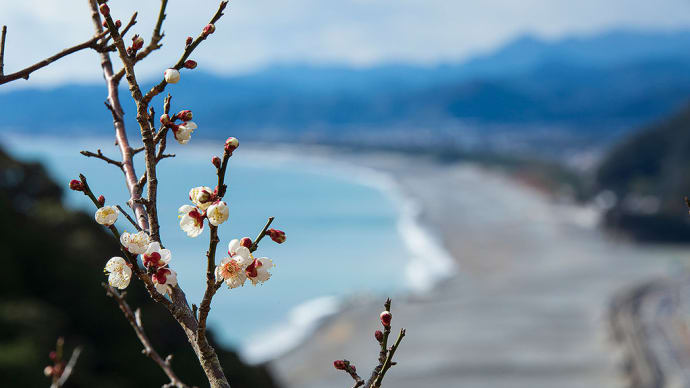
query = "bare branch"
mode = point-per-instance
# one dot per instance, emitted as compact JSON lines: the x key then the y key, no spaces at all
{"x":24,"y":73}
{"x":68,"y":368}
{"x":187,"y":52}
{"x":389,"y":359}
{"x":2,"y":50}
{"x":132,"y":21}
{"x":134,"y":320}
{"x":128,"y":217}
{"x":261,"y":235}
{"x":100,"y":155}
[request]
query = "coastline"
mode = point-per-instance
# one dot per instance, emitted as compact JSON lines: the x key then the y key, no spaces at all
{"x":528,"y":308}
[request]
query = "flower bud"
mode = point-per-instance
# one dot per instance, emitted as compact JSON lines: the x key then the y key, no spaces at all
{"x":184,"y":115}
{"x":209,"y":29}
{"x":276,"y":235}
{"x":101,"y":200}
{"x":105,"y":10}
{"x":52,"y":355}
{"x":246,"y":242}
{"x":378,"y":335}
{"x":339,"y":364}
{"x":48,"y":371}
{"x":216,"y":161}
{"x":386,"y":318}
{"x":165,"y":119}
{"x":231,"y":144}
{"x":190,"y":64}
{"x":172,"y":76}
{"x":118,"y":23}
{"x":137,"y":42}
{"x":105,"y":24}
{"x":189,"y":41}
{"x":76,"y":185}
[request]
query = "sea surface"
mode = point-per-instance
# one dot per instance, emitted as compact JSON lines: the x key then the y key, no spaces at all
{"x":343,"y":232}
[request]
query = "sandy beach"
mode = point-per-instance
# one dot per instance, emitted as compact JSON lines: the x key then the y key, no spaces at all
{"x":527,"y":306}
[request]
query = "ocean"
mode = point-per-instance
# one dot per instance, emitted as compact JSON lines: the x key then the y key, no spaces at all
{"x":349,"y":232}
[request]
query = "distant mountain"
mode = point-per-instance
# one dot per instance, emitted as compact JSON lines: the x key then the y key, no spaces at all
{"x":646,"y":177}
{"x":588,"y":86}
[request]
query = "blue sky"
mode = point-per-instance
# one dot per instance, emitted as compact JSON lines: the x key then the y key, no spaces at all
{"x":257,"y":33}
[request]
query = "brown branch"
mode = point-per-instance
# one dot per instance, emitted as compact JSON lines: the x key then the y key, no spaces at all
{"x":100,"y":155}
{"x":187,"y":52}
{"x":261,"y":235}
{"x":128,"y":217}
{"x":156,"y":37}
{"x":134,"y":320}
{"x":24,"y":73}
{"x":69,"y":368}
{"x":384,"y":348}
{"x":132,"y":21}
{"x":389,"y":359}
{"x":2,"y":50}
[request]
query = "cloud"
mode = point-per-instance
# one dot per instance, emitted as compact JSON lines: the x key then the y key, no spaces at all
{"x":257,"y":33}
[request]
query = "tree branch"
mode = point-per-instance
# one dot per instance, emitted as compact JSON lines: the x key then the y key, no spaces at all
{"x":134,"y":320}
{"x":24,"y":73}
{"x":128,"y":217}
{"x":2,"y":50}
{"x":100,"y":155}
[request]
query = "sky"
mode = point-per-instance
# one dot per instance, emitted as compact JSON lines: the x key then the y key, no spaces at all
{"x":359,"y":33}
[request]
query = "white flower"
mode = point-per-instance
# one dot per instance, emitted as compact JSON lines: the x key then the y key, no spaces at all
{"x":184,"y":132}
{"x":172,"y":76}
{"x":201,"y":196}
{"x":230,"y":271}
{"x":240,"y":253}
{"x":191,"y":220}
{"x":107,"y":215}
{"x":155,"y":256}
{"x":119,"y":273}
{"x":257,"y":272}
{"x":135,"y":243}
{"x":164,"y":280}
{"x":218,"y":213}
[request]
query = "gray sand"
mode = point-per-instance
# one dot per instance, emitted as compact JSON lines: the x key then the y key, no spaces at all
{"x":526,"y":309}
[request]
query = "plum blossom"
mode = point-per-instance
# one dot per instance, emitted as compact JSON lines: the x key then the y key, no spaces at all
{"x":257,"y":271}
{"x":135,"y":243}
{"x":107,"y":215}
{"x":191,"y":220}
{"x":164,"y":280}
{"x":119,"y":272}
{"x":172,"y":76}
{"x":201,"y":196}
{"x":240,"y":253}
{"x":183,"y":132}
{"x":155,"y":256}
{"x":217,"y":213}
{"x":231,"y":272}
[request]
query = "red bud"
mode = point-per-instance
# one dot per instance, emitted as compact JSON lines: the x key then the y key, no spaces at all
{"x":386,"y":318}
{"x":184,"y":115}
{"x":216,"y":161}
{"x":105,"y":24}
{"x":378,"y":335}
{"x":246,"y":242}
{"x":189,"y":41}
{"x":105,"y":10}
{"x":101,"y":200}
{"x":190,"y":64}
{"x":276,"y":235}
{"x":209,"y":29}
{"x":231,"y":145}
{"x":52,"y":355}
{"x":339,"y":364}
{"x":137,"y":42}
{"x":118,"y":23}
{"x":76,"y":185}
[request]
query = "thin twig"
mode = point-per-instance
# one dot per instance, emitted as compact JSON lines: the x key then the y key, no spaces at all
{"x":134,"y":320}
{"x":389,"y":359}
{"x":132,"y":21}
{"x":128,"y":217}
{"x":261,"y":235}
{"x":187,"y":52}
{"x":2,"y":50}
{"x":69,"y":368}
{"x":24,"y":73}
{"x":100,"y":155}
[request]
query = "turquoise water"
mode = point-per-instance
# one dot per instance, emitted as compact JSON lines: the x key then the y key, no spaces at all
{"x":342,"y":236}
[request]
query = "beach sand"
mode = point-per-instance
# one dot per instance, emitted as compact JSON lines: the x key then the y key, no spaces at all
{"x":527,"y":306}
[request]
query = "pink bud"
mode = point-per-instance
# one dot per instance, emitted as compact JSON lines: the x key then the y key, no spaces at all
{"x":165,"y":119}
{"x":76,"y":185}
{"x":209,"y":29}
{"x":105,"y":10}
{"x":216,"y":161}
{"x":101,"y":200}
{"x":231,"y":145}
{"x":52,"y":355}
{"x":184,"y":115}
{"x":48,"y":371}
{"x":189,"y":41}
{"x":386,"y":318}
{"x":378,"y":335}
{"x":339,"y":364}
{"x":137,"y":42}
{"x":246,"y":242}
{"x":276,"y":235}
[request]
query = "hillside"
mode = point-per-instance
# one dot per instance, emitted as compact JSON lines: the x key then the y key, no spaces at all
{"x":649,"y":173}
{"x":52,"y":264}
